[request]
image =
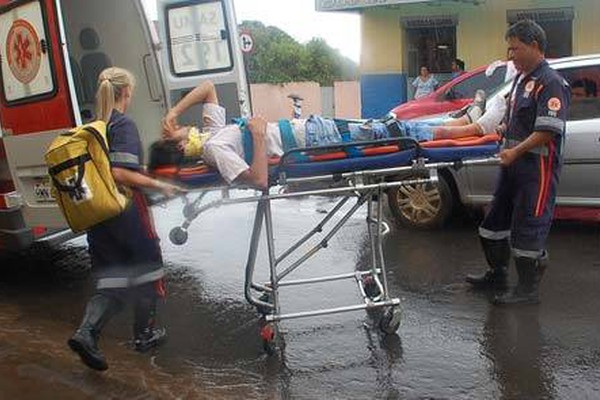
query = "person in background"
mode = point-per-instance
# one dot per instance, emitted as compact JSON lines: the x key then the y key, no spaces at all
{"x":457,"y":68}
{"x":124,"y":250}
{"x":583,"y":88}
{"x":424,"y":84}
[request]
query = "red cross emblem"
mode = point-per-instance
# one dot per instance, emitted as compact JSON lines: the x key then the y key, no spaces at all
{"x":23,"y":50}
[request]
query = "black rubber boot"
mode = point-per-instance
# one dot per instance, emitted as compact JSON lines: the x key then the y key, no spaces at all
{"x":497,"y":255}
{"x":146,"y":335}
{"x":100,"y":308}
{"x":530,"y":271}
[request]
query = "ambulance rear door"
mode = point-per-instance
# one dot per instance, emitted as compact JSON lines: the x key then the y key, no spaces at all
{"x":36,"y":100}
{"x":199,"y":40}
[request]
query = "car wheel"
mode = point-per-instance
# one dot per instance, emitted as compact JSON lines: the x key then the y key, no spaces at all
{"x":423,"y":205}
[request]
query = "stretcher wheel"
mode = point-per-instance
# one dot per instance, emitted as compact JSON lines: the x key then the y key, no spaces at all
{"x":178,"y":236}
{"x":268,"y":336}
{"x":390,"y":320}
{"x":267,"y":298}
{"x":370,"y":286}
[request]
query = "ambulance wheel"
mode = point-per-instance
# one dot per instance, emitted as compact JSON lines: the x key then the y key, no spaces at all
{"x":390,"y":320}
{"x":178,"y":236}
{"x":423,"y":205}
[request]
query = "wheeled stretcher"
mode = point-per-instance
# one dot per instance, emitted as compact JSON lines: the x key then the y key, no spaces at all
{"x":361,"y":172}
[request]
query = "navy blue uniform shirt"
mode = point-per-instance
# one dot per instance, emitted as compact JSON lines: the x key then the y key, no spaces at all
{"x":128,"y":240}
{"x":125,"y":146}
{"x":539,"y":102}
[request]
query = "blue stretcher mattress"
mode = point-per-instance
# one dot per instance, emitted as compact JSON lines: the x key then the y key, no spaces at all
{"x":396,"y":159}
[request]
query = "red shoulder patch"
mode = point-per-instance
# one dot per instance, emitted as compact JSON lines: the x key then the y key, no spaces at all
{"x":554,"y":104}
{"x":530,"y":86}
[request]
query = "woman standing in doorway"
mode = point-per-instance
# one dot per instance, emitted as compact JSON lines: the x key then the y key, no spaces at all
{"x":124,"y":250}
{"x":424,"y":84}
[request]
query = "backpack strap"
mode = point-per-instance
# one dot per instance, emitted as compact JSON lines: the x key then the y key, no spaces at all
{"x":57,"y":169}
{"x":103,"y":143}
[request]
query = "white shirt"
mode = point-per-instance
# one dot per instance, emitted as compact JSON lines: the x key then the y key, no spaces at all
{"x":225,"y":150}
{"x":492,"y":117}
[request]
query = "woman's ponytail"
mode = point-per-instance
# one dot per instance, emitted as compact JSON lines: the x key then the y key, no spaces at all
{"x":105,"y":100}
{"x":111,"y":83}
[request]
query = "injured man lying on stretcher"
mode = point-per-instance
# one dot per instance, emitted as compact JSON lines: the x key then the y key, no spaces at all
{"x":222,"y":146}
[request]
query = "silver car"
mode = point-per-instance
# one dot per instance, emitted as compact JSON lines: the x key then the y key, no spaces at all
{"x":428,"y":206}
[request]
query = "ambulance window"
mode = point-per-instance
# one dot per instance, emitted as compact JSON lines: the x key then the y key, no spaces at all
{"x":26,"y":72}
{"x":198,"y":38}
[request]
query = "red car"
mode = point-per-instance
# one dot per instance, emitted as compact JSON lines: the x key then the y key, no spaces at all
{"x":453,"y":95}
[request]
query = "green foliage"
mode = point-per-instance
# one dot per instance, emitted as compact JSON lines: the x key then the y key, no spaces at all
{"x":279,"y":58}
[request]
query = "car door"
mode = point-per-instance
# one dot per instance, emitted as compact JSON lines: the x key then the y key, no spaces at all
{"x":580,"y":177}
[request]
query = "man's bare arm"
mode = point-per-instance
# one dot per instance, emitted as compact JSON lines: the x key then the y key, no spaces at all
{"x":257,"y":175}
{"x":536,"y":139}
{"x":132,"y":178}
{"x":204,"y":93}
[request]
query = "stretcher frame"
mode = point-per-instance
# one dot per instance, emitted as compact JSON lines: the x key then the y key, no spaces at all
{"x":366,"y":187}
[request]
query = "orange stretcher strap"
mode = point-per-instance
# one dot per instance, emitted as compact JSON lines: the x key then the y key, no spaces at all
{"x":165,"y":170}
{"x":375,"y":151}
{"x":465,"y":141}
{"x":201,"y":169}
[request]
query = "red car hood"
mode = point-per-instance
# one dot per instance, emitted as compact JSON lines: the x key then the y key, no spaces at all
{"x":429,"y":105}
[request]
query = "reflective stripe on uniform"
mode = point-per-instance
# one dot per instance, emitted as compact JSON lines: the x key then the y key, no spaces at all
{"x":549,"y":123}
{"x":112,"y":283}
{"x":493,"y":235}
{"x":533,"y":254}
{"x":125,"y":282}
{"x":125,"y":158}
{"x":149,"y":277}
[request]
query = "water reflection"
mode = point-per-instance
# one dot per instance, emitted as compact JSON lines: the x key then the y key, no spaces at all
{"x":513,"y":342}
{"x":386,"y":354}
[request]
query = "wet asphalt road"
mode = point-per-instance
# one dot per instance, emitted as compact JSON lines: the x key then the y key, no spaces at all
{"x":451,"y":344}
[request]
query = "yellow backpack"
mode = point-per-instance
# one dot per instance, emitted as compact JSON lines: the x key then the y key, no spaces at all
{"x":82,"y":182}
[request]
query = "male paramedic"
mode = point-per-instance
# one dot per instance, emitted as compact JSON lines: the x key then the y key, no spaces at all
{"x":222,"y":146}
{"x":521,"y":211}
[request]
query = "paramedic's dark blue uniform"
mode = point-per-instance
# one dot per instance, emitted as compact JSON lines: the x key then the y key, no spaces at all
{"x":125,"y":250}
{"x":525,"y":192}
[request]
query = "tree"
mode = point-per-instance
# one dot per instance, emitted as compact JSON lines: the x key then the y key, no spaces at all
{"x":279,"y":58}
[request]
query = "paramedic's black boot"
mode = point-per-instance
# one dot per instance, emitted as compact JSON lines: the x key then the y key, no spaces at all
{"x":530,"y":271}
{"x":84,"y":341}
{"x":497,"y":254}
{"x":146,"y":335}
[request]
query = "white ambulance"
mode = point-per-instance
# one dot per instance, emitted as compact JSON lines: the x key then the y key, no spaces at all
{"x":51,"y":52}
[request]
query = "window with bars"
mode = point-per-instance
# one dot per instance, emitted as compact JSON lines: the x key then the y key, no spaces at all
{"x":558,"y":24}
{"x":431,"y":42}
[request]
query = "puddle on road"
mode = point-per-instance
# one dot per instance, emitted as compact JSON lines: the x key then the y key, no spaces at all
{"x":451,"y":343}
